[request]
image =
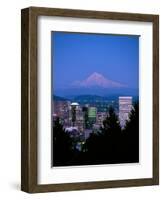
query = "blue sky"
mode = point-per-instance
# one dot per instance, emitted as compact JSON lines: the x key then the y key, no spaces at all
{"x":75,"y":56}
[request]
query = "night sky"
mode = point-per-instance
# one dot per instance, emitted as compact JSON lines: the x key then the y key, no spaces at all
{"x":75,"y":56}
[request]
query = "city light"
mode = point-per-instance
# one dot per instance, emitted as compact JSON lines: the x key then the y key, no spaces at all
{"x":83,"y":118}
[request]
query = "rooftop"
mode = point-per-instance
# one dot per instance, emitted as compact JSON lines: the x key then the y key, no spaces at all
{"x":74,"y":104}
{"x":125,"y":97}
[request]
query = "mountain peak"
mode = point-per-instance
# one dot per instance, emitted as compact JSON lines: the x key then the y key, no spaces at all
{"x":95,"y":74}
{"x":97,"y":79}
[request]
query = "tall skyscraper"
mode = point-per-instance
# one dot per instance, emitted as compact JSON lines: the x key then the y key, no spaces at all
{"x":74,"y":108}
{"x":76,"y":116}
{"x":125,"y":106}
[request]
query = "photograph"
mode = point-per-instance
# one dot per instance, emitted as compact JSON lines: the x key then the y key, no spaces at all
{"x":95,"y":99}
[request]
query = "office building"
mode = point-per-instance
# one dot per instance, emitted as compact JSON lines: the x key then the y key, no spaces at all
{"x":125,"y":106}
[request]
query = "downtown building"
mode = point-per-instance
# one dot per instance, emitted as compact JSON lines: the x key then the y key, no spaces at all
{"x":125,"y":107}
{"x":76,"y":117}
{"x":61,"y":109}
{"x":83,"y":117}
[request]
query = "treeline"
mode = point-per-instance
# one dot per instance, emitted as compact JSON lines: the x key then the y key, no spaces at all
{"x":110,"y":145}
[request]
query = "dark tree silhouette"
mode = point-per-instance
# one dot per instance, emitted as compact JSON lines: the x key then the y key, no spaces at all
{"x":131,"y":135}
{"x":86,"y":120}
{"x":111,"y":123}
{"x":104,"y":147}
{"x":62,"y":145}
{"x":112,"y":137}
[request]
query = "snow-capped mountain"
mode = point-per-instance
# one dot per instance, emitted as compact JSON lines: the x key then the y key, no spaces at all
{"x":98,"y":80}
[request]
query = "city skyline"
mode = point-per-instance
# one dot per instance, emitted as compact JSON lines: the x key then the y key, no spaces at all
{"x":94,"y":53}
{"x":65,"y":109}
{"x":86,"y":127}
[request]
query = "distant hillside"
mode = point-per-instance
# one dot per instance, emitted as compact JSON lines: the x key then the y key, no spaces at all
{"x":58,"y":98}
{"x":73,"y":92}
{"x":90,"y":97}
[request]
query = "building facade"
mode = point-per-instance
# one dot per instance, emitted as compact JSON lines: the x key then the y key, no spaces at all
{"x":61,"y":109}
{"x":76,"y":116}
{"x":125,"y":107}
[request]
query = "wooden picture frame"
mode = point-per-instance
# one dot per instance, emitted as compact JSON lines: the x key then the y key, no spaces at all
{"x":29,"y":97}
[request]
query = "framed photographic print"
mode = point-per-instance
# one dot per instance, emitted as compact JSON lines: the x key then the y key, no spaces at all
{"x":90,"y":100}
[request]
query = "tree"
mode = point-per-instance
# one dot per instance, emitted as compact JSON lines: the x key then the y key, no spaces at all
{"x":111,"y":124}
{"x":131,"y":133}
{"x":86,"y":119}
{"x":104,"y":147}
{"x":112,"y":137}
{"x":62,"y":145}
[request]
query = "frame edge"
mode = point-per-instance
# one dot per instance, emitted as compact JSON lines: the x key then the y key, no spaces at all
{"x":156,"y":100}
{"x":24,"y":99}
{"x":28,"y":101}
